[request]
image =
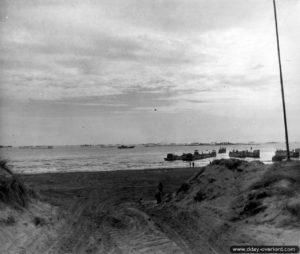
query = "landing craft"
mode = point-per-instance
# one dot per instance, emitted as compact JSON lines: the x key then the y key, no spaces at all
{"x":125,"y":147}
{"x":282,"y":154}
{"x":190,"y":156}
{"x":222,"y":150}
{"x":172,"y":157}
{"x":244,"y":154}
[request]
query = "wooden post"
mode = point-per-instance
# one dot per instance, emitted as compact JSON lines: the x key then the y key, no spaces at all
{"x":281,"y":82}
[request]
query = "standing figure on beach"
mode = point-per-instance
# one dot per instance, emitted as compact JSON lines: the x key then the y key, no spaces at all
{"x":160,"y":193}
{"x":193,"y":163}
{"x":160,"y":187}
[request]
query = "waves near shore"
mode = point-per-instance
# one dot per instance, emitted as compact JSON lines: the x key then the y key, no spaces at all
{"x":95,"y":158}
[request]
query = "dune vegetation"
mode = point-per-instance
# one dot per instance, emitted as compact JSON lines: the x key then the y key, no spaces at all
{"x":13,"y":191}
{"x":234,"y":202}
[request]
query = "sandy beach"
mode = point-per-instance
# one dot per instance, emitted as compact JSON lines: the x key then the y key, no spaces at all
{"x":204,"y":210}
{"x":98,"y":212}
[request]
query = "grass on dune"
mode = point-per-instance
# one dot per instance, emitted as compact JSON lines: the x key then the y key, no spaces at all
{"x":12,"y":189}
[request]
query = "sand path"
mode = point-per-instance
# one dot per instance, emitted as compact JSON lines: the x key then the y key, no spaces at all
{"x":102,"y":213}
{"x":111,"y":227}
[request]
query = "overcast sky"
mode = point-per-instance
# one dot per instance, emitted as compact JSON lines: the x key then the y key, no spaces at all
{"x":133,"y":71}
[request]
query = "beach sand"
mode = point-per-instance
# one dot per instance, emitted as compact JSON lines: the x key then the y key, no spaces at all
{"x":208,"y":210}
{"x":94,"y":212}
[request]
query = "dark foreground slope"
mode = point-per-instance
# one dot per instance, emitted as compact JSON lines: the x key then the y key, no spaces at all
{"x":207,"y":210}
{"x":232,"y":202}
{"x":22,"y":214}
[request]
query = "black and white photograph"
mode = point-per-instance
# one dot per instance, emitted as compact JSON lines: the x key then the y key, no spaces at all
{"x":149,"y":126}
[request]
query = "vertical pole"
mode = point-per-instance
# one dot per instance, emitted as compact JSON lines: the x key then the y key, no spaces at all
{"x":281,"y":82}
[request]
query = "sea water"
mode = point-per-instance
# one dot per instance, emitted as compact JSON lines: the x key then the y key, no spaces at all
{"x":97,"y":158}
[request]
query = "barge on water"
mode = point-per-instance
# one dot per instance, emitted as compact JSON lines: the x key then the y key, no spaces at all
{"x":190,"y":156}
{"x":36,"y":147}
{"x":244,"y":154}
{"x":222,"y":150}
{"x":173,"y":157}
{"x":125,"y":147}
{"x":282,"y":154}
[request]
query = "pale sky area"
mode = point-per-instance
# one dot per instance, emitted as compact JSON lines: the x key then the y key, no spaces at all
{"x":93,"y":72}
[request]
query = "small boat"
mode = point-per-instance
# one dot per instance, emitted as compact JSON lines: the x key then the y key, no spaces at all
{"x":36,"y":147}
{"x":244,"y":154}
{"x":42,"y":147}
{"x":125,"y":147}
{"x":282,"y":154}
{"x":222,"y":150}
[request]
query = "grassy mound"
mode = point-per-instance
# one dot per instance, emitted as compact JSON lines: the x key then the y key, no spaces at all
{"x":246,"y":190}
{"x":12,"y":189}
{"x":231,"y":201}
{"x":279,"y":187}
{"x":229,"y":163}
{"x":217,"y":180}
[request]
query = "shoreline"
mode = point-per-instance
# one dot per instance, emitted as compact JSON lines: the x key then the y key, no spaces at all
{"x":112,"y":171}
{"x":268,"y":162}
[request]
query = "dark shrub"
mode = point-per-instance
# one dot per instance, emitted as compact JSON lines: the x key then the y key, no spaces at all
{"x":293,"y":207}
{"x":253,"y":207}
{"x":200,"y":196}
{"x":38,"y":221}
{"x":9,"y":221}
{"x":12,"y":189}
{"x":184,"y":188}
{"x":268,"y":180}
{"x":211,"y":180}
{"x":258,"y":195}
{"x":229,"y":163}
{"x":158,"y":197}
